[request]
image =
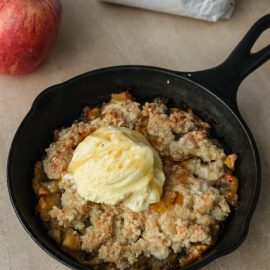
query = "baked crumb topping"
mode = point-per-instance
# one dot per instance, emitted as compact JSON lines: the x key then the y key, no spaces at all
{"x":197,"y":194}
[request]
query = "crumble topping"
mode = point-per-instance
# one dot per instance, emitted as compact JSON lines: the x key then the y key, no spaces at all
{"x":197,"y":194}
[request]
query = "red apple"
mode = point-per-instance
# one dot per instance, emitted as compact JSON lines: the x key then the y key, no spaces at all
{"x":28,"y":30}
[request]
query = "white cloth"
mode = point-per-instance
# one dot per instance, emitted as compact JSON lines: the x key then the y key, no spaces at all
{"x":210,"y":10}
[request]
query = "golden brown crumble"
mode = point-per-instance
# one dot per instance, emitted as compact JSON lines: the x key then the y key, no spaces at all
{"x":198,"y":190}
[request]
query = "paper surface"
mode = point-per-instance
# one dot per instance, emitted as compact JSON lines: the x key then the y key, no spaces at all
{"x":210,"y":10}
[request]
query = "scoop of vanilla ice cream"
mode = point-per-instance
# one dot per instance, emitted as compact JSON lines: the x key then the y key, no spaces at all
{"x":115,"y":165}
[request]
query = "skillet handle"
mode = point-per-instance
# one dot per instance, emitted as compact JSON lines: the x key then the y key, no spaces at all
{"x":225,"y":79}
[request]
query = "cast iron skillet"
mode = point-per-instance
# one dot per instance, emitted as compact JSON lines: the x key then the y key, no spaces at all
{"x":212,"y":93}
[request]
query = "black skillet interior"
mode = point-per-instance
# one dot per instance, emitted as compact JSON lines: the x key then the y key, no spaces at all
{"x":59,"y":105}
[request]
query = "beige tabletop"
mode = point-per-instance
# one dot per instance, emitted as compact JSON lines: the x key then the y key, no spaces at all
{"x":95,"y":35}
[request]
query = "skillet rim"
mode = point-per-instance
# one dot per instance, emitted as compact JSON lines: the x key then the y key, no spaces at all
{"x":234,"y":110}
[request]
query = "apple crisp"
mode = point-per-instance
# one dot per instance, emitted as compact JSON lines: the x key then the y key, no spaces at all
{"x":198,"y":192}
